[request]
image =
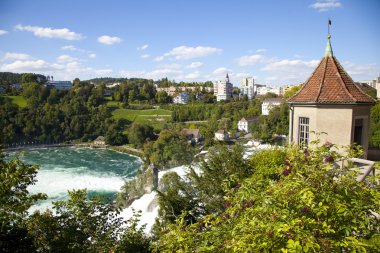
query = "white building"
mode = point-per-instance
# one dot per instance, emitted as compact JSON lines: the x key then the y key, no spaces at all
{"x":378,"y":87}
{"x":223,"y":89}
{"x":245,"y":123}
{"x":269,"y":103}
{"x":181,"y":98}
{"x":265,"y":89}
{"x":371,"y":83}
{"x":221,"y":135}
{"x":247,"y":87}
{"x":60,"y":85}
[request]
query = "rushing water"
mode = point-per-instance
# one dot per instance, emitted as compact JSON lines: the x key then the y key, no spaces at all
{"x":100,"y":171}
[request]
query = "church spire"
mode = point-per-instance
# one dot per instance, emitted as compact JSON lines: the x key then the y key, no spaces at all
{"x":329,"y":51}
{"x":227,"y":78}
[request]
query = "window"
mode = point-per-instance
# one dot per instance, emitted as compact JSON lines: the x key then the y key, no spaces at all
{"x":303,"y":131}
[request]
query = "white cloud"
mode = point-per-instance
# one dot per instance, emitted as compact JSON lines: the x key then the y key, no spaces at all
{"x":108,"y":40}
{"x":326,"y":5}
{"x":65,"y":58}
{"x":193,"y":75}
{"x":69,"y":48}
{"x":159,"y":58}
{"x":170,"y":66}
{"x":195,"y":65}
{"x":15,"y":56}
{"x":221,"y":71}
{"x":248,"y":60}
{"x":361,"y":71}
{"x":60,"y":71}
{"x":144,"y":56}
{"x":28,"y":66}
{"x":155,"y":74}
{"x":48,"y":32}
{"x":261,"y":50}
{"x":186,"y":53}
{"x":2,"y":32}
{"x":102,"y":72}
{"x":289,"y":71}
{"x":290,"y":65}
{"x":143,"y":47}
{"x":92,"y":56}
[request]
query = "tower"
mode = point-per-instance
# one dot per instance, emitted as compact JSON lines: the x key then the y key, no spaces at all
{"x":332,"y":103}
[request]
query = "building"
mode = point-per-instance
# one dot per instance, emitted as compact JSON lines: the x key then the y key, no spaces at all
{"x":181,"y":98}
{"x":60,"y":85}
{"x":100,"y":141}
{"x":192,"y":135}
{"x":221,"y":135}
{"x":371,"y":83}
{"x":247,"y":87}
{"x":330,"y":102}
{"x":223,"y":89}
{"x":378,"y":87}
{"x":269,"y":103}
{"x":245,"y":123}
{"x":263,"y":90}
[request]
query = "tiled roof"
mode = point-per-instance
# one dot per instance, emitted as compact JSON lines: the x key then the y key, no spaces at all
{"x":330,"y":83}
{"x":249,"y":119}
{"x":273,"y":100}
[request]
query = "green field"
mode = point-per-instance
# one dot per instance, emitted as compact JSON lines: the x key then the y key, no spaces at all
{"x":18,"y":100}
{"x":154,"y":117}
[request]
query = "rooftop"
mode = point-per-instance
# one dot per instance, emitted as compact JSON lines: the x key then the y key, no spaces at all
{"x":330,"y":83}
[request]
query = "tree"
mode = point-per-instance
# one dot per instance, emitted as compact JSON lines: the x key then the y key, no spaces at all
{"x":292,"y":91}
{"x":83,"y":225}
{"x":303,"y":203}
{"x":15,"y":201}
{"x":374,"y":138}
{"x":139,"y":134}
{"x":171,"y":148}
{"x":29,"y":78}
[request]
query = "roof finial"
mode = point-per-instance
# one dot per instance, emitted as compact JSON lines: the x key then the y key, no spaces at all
{"x":328,"y":52}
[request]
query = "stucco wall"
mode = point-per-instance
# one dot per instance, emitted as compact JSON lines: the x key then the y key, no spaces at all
{"x":335,"y":120}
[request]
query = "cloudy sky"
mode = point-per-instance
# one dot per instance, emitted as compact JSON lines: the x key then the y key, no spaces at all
{"x":276,"y":42}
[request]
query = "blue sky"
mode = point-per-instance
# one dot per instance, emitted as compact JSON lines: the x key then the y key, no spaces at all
{"x":276,"y":42}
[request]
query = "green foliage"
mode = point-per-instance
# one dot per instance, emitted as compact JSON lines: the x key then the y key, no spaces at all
{"x":276,"y":123}
{"x":55,"y":116}
{"x":292,"y":91}
{"x":374,"y":138}
{"x":18,"y":100}
{"x":139,"y":134}
{"x":311,"y":205}
{"x":15,"y":201}
{"x":204,"y":189}
{"x":82,"y":225}
{"x":170,"y":149}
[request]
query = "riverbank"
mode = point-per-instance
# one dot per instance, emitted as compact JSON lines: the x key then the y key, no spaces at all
{"x":128,"y":150}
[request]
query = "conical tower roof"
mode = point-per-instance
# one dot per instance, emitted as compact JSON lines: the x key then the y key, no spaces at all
{"x":330,"y":83}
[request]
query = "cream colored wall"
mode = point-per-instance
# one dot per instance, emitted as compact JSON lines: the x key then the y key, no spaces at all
{"x":337,"y":121}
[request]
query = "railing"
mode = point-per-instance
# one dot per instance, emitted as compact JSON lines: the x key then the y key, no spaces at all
{"x":364,"y":167}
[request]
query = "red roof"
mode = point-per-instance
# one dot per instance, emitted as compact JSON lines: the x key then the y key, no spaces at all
{"x":330,"y":83}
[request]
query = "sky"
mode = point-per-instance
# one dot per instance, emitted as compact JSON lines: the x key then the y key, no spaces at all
{"x":275,"y":42}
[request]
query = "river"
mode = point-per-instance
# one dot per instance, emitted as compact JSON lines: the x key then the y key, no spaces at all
{"x":100,"y":171}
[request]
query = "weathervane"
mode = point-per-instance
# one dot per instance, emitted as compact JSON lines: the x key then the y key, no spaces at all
{"x":328,"y":29}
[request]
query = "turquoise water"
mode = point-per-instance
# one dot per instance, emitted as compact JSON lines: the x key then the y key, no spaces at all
{"x":100,"y":171}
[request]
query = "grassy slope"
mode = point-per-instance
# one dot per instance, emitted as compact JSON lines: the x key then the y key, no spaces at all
{"x":18,"y":100}
{"x":153,"y":117}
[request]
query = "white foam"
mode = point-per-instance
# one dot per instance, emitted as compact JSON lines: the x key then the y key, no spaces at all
{"x":56,"y":183}
{"x":146,"y":204}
